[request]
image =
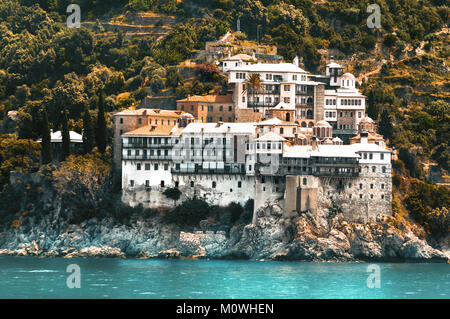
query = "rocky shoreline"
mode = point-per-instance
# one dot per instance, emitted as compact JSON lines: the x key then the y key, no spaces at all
{"x":308,"y":237}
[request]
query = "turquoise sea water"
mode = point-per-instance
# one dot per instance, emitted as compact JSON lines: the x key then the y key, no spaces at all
{"x":30,"y":277}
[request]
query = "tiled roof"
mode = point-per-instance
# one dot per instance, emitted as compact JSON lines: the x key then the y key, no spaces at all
{"x":152,"y":130}
{"x":271,"y":136}
{"x":152,"y":112}
{"x":209,"y":99}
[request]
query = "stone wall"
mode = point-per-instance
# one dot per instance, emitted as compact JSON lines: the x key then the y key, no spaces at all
{"x":228,"y":188}
{"x":359,"y":199}
{"x":247,"y":115}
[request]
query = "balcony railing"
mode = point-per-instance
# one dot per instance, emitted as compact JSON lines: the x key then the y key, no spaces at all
{"x":262,"y":104}
{"x":209,"y":171}
{"x":346,"y":131}
{"x":141,"y":145}
{"x":146,"y":157}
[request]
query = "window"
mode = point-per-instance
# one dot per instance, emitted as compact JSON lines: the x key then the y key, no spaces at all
{"x":350,"y":185}
{"x":382,"y":156}
{"x":305,"y":181}
{"x":360,"y":186}
{"x":383,"y":169}
{"x":138,"y":166}
{"x":230,"y":108}
{"x":162,"y":183}
{"x":213,"y":184}
{"x":370,"y":156}
{"x":147,"y":183}
{"x":360,"y":196}
{"x":239,"y":184}
{"x":382,"y":196}
{"x":156,"y":167}
{"x":382,"y":186}
{"x":147,"y":167}
{"x":374,"y":169}
{"x":192,"y":184}
{"x":140,"y":121}
{"x":129,"y":152}
{"x":131,"y":183}
{"x":121,"y":120}
{"x":371,"y":196}
{"x":371,"y":186}
{"x":287,"y":87}
{"x":166,"y":167}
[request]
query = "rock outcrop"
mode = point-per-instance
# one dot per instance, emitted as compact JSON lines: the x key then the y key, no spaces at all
{"x":308,"y":236}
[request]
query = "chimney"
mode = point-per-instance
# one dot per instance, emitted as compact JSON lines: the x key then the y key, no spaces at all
{"x":295,"y":62}
{"x":331,"y":59}
{"x":364,"y":138}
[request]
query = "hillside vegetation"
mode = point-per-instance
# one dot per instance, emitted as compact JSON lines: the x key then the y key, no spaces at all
{"x":44,"y":66}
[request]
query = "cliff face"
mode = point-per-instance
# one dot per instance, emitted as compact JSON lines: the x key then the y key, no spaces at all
{"x":313,"y":237}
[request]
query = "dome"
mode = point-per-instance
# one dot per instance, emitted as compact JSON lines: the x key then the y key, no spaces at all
{"x":323,"y":124}
{"x":366,"y":120}
{"x":348,"y":76}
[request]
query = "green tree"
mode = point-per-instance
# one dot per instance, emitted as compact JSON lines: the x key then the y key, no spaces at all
{"x":101,"y":124}
{"x":65,"y":135}
{"x":46,"y":145}
{"x":88,"y":132}
{"x":385,"y":126}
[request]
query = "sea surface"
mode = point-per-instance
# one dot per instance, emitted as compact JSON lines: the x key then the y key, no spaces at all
{"x":32,"y":277}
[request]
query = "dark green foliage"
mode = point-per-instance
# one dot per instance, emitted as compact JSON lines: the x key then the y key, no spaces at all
{"x":46,"y":146}
{"x":235,"y":210}
{"x":88,"y":132}
{"x":172,"y":193}
{"x":385,"y":126}
{"x":189,"y":213}
{"x":101,"y":124}
{"x":65,"y":135}
{"x":424,"y":198}
{"x":208,"y":72}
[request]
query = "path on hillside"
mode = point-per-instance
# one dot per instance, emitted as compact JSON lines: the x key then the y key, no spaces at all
{"x":418,"y":51}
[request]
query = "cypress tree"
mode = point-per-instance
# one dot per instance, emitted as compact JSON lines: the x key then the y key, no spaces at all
{"x":65,"y":136}
{"x":46,"y":150}
{"x":88,"y":132}
{"x":101,"y":124}
{"x":385,"y":126}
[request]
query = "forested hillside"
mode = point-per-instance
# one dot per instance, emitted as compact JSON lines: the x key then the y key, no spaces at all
{"x":46,"y":68}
